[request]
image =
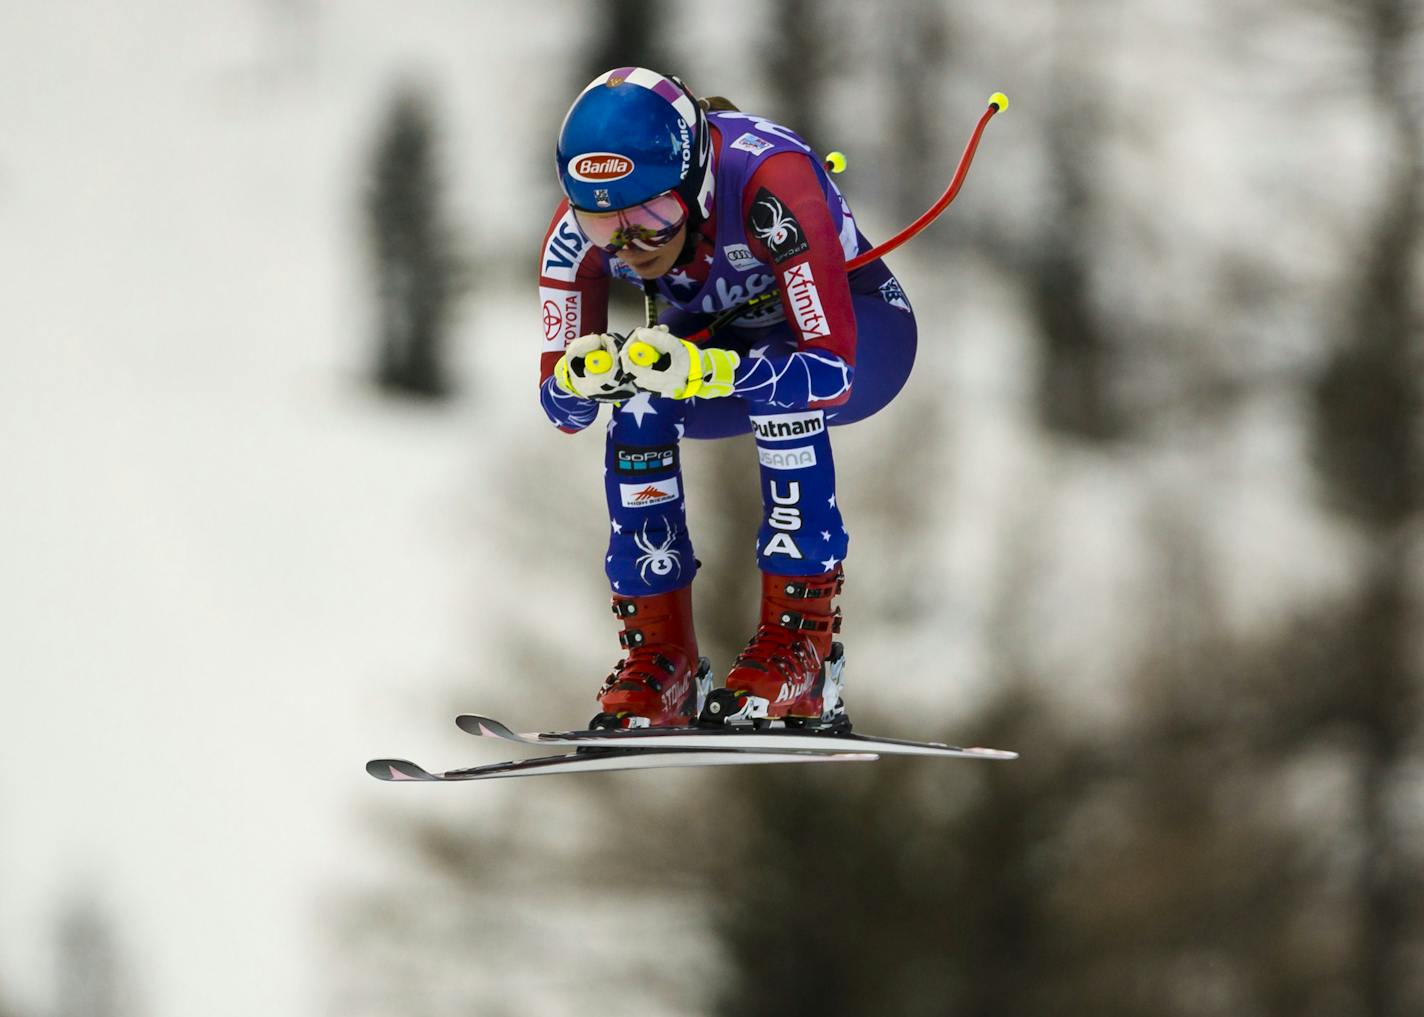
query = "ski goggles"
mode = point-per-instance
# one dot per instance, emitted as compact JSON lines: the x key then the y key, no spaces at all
{"x":646,"y":226}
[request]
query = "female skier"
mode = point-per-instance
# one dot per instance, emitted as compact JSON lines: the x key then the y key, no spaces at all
{"x":707,"y":208}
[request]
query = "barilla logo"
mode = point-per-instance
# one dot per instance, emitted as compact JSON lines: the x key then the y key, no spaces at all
{"x":598,"y":167}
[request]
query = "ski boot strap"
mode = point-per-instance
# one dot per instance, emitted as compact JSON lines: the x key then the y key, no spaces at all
{"x":639,"y":669}
{"x":798,"y":622}
{"x":827,"y":586}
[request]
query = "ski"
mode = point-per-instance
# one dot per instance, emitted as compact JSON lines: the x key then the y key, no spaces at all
{"x":589,"y":760}
{"x":780,"y":739}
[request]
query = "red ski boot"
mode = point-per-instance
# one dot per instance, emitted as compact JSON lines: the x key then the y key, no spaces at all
{"x":662,"y":682}
{"x":791,"y":670}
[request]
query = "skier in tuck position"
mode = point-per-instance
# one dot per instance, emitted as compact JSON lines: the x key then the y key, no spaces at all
{"x":707,"y":208}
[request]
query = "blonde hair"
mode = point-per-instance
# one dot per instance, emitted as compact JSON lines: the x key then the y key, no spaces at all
{"x":718,"y":104}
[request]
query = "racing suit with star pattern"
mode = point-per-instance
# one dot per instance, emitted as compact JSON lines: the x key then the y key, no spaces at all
{"x":778,"y":222}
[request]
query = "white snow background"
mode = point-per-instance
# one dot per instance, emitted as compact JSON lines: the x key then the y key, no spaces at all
{"x":229,"y":574}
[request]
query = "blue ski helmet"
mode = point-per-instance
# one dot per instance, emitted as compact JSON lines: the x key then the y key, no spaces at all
{"x":633,"y":134}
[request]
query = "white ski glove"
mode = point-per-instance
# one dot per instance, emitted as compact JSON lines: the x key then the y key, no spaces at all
{"x":590,"y":368}
{"x":660,"y":362}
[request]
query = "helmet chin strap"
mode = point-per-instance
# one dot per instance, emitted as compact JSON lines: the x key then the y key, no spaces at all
{"x":689,"y":244}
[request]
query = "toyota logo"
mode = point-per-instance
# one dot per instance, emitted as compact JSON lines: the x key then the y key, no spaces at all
{"x":552,"y":320}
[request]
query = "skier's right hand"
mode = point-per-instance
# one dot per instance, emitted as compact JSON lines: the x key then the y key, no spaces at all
{"x":590,"y":368}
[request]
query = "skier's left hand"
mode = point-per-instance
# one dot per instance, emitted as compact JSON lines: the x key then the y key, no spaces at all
{"x":662,"y":363}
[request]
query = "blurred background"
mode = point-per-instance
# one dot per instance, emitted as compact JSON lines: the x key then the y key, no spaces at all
{"x":277,"y":497}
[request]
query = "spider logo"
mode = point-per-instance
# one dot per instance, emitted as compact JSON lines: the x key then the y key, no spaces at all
{"x":780,"y":228}
{"x":660,"y":558}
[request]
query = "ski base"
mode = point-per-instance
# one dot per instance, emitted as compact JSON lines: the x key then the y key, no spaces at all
{"x":593,"y":760}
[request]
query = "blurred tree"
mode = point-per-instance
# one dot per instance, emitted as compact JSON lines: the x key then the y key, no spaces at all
{"x":884,"y":889}
{"x":1077,"y":358}
{"x":413,"y":252}
{"x":920,"y":43}
{"x":1370,"y":437}
{"x":796,"y":51}
{"x":1163,"y":869}
{"x":1369,"y":395}
{"x":89,"y":983}
{"x":627,"y":33}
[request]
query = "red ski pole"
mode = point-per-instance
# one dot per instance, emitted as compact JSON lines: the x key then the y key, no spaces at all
{"x":997,"y":103}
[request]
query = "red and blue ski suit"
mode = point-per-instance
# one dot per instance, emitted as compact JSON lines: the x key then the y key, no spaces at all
{"x":834,"y":349}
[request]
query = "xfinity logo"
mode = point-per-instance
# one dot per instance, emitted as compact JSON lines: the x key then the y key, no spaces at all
{"x":805,"y":302}
{"x":597,"y":167}
{"x":798,"y":458}
{"x":782,"y":426}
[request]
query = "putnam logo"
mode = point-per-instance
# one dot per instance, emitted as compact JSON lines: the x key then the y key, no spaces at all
{"x":649,"y":494}
{"x":784,"y":426}
{"x":599,"y":167}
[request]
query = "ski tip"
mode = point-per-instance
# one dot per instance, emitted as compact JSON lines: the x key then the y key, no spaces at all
{"x":397,"y":769}
{"x":993,"y":753}
{"x":473,"y":723}
{"x":470,"y":724}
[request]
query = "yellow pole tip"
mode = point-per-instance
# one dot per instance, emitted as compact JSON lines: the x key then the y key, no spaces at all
{"x":836,"y":162}
{"x":1000,"y":100}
